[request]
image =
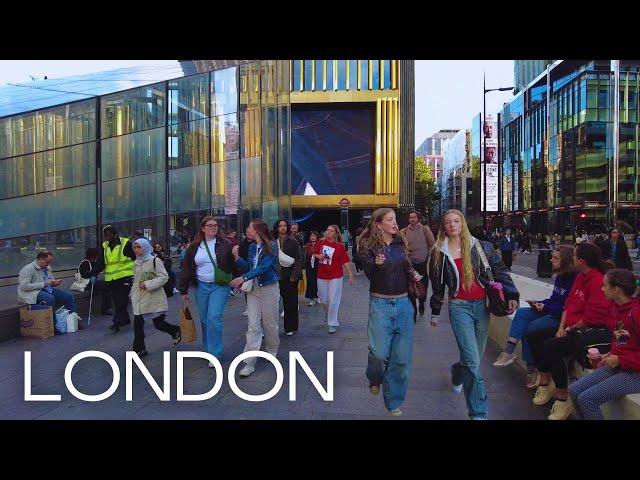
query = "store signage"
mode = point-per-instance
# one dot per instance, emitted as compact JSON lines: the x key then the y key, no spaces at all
{"x":628,"y":204}
{"x":345,"y":203}
{"x":489,"y":170}
{"x":575,"y":206}
{"x":595,"y":205}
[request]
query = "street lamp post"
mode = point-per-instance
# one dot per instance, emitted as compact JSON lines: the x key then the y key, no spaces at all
{"x":483,"y":145}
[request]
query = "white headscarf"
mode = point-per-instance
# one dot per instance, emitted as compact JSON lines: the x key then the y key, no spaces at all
{"x":146,"y":249}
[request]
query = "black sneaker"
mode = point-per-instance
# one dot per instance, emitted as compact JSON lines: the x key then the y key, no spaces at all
{"x":177,"y":337}
{"x":114,"y":327}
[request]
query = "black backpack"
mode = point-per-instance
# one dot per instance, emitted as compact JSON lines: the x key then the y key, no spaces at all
{"x":171,"y":283}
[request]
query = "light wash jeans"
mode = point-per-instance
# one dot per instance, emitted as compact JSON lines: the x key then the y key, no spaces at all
{"x":528,"y":320}
{"x":212,"y":299}
{"x":390,"y":332}
{"x":470,"y":324}
{"x":57,"y":297}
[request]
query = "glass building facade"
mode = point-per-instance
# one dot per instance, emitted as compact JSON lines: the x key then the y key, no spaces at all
{"x":571,"y":148}
{"x":155,"y":157}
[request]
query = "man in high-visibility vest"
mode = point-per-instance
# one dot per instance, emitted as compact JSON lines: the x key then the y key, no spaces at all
{"x":116,"y":260}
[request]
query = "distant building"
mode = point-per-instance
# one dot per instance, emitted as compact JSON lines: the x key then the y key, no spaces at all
{"x":431,"y":151}
{"x":525,"y":71}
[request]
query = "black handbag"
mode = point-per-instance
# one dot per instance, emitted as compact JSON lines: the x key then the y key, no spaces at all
{"x":496,"y":300}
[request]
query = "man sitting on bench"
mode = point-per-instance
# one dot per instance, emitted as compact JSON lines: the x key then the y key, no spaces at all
{"x":37,"y":285}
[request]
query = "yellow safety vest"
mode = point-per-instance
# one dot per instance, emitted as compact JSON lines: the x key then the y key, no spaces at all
{"x":117,"y":265}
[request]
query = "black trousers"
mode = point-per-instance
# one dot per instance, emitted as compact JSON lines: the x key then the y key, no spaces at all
{"x":507,"y":258}
{"x":421,"y":268}
{"x":120,"y":289}
{"x":312,"y":283}
{"x":549,"y":351}
{"x":159,"y":322}
{"x":289,"y":294}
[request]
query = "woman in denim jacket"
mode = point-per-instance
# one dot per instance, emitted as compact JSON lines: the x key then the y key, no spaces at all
{"x":264,"y":297}
{"x":390,"y":327}
{"x":456,"y":263}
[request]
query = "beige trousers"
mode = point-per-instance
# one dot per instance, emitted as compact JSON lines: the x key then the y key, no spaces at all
{"x":263,"y":310}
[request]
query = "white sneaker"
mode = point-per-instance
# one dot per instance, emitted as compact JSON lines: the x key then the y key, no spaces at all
{"x":318,"y":300}
{"x":211,"y":365}
{"x":176,"y":291}
{"x":504,"y":359}
{"x":289,"y":334}
{"x":245,"y":313}
{"x":246,"y":370}
{"x":282,"y":314}
{"x":311,"y":303}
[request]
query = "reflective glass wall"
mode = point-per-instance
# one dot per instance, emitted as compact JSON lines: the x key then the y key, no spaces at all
{"x":155,"y":158}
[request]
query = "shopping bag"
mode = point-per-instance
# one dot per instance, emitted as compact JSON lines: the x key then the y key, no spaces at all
{"x":302,"y":284}
{"x":61,"y":319}
{"x":36,"y":321}
{"x":72,"y":322}
{"x":187,"y":326}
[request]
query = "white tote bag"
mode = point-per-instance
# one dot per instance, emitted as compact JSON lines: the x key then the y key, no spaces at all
{"x":81,"y":283}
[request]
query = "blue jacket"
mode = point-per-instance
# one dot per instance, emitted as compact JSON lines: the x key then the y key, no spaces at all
{"x":554,"y":305}
{"x":506,"y":244}
{"x":266,"y":271}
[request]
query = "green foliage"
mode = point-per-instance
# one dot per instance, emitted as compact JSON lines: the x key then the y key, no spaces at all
{"x":427,"y":195}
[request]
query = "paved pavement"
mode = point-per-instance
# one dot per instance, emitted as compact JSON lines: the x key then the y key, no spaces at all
{"x":429,"y":395}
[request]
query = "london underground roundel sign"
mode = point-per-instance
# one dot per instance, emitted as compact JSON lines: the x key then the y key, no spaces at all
{"x":344,"y":203}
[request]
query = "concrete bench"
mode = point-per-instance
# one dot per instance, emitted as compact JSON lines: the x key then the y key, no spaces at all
{"x":10,"y":311}
{"x":624,"y":408}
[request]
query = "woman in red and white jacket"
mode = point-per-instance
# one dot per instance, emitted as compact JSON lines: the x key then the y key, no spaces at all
{"x":619,"y":371}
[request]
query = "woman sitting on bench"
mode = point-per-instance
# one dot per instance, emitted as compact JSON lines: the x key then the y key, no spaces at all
{"x":618,"y":372}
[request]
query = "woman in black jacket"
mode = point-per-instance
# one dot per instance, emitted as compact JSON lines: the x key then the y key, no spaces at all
{"x":456,"y":262}
{"x":85,"y":268}
{"x":289,"y":274}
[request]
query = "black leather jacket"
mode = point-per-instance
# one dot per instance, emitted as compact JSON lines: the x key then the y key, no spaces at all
{"x":392,"y":277}
{"x":446,"y":274}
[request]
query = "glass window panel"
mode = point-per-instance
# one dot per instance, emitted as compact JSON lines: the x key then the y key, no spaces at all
{"x":188,"y":144}
{"x":154,"y":227}
{"x":226,"y":137}
{"x":48,"y":212}
{"x":364,"y":75}
{"x":189,"y":189}
{"x":135,"y":197}
{"x":296,"y":76}
{"x":188,"y":99}
{"x":251,"y":133}
{"x":319,"y":77}
{"x":329,"y":74}
{"x":284,"y":167}
{"x":308,"y":74}
{"x":342,"y":75}
{"x":353,"y":74}
{"x":268,"y":82}
{"x":376,"y":74}
{"x":251,"y":179}
{"x":270,"y":213}
{"x":133,"y":154}
{"x":269,"y":169}
{"x":224,"y":96}
{"x":133,"y":110}
{"x":52,"y":128}
{"x":46,"y":171}
{"x":225,"y":181}
{"x":387,"y":74}
{"x":68,"y":247}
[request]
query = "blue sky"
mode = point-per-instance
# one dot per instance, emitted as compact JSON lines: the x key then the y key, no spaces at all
{"x":448,"y":92}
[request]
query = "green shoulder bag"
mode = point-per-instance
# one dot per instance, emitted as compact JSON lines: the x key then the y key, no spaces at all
{"x":220,"y":277}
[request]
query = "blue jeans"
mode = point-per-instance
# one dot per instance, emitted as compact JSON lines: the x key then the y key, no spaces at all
{"x":390,"y":332}
{"x":212,"y":299}
{"x":58,"y":297}
{"x":526,"y":321}
{"x":470,"y":324}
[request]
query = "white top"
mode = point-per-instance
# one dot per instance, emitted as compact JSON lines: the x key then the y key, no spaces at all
{"x":204,"y":267}
{"x":258,"y":250}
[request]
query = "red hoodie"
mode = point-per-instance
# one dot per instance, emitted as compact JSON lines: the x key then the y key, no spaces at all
{"x":628,"y":353}
{"x":587,"y":302}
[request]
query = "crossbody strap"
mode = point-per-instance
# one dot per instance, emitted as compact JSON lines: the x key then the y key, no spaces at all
{"x":484,"y":260}
{"x":209,"y":253}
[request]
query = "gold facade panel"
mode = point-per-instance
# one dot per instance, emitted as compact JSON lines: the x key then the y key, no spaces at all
{"x":387,"y":146}
{"x":333,"y":201}
{"x":341,"y":96}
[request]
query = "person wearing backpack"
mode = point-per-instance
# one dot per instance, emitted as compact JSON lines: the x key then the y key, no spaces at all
{"x":161,"y":253}
{"x":148,"y":299}
{"x":618,"y":372}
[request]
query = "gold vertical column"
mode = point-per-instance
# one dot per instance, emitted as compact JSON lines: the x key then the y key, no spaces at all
{"x":381,"y":74}
{"x":384,"y":157}
{"x":291,"y":75}
{"x":389,"y":132}
{"x":359,"y":76}
{"x":396,"y":135}
{"x":378,"y":160}
{"x":335,"y":75}
{"x":370,"y":83}
{"x":394,"y":74}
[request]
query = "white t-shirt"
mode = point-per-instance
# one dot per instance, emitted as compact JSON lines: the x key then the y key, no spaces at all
{"x":204,"y":267}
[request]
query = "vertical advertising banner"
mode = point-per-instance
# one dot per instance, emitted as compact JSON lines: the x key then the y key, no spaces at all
{"x":515,"y":186}
{"x":489,"y":171}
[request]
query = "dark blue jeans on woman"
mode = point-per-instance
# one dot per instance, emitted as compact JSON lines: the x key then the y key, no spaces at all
{"x":528,"y":320}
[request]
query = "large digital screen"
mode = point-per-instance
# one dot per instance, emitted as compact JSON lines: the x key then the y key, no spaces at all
{"x":332,"y":149}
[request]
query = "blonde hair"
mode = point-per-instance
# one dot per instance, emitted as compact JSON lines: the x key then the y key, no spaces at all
{"x":465,"y":244}
{"x":372,"y":236}
{"x":337,"y":237}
